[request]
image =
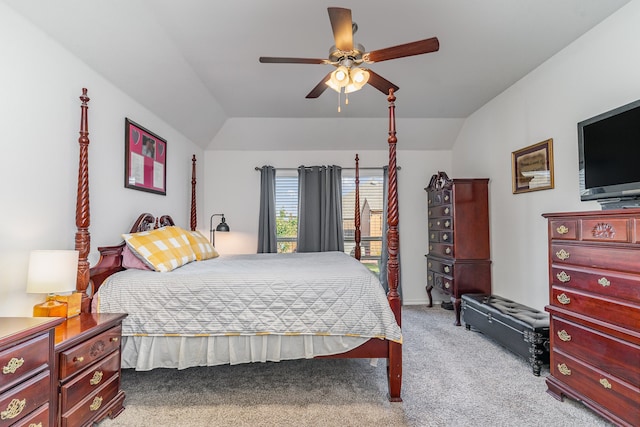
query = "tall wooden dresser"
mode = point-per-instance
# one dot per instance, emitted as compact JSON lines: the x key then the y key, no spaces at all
{"x":26,"y":378}
{"x":594,"y":303}
{"x":458,"y":261}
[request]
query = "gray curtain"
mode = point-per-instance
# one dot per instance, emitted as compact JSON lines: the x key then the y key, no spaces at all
{"x":267,"y":217}
{"x":384,"y":256}
{"x":320,"y":209}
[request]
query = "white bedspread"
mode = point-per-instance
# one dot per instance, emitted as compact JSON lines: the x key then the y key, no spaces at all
{"x":303,"y":294}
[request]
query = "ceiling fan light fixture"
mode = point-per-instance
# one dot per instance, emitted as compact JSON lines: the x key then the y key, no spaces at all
{"x":340,"y":77}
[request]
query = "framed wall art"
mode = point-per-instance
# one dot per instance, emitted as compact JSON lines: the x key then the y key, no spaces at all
{"x":532,"y":167}
{"x":145,"y":159}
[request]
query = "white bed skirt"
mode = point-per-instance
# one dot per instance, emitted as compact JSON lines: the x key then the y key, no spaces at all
{"x":146,"y":353}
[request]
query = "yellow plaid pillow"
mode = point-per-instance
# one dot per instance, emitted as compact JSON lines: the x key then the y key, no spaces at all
{"x":201,"y":246}
{"x":163,"y":249}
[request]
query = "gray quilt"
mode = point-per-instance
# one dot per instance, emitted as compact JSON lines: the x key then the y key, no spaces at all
{"x":327,"y":293}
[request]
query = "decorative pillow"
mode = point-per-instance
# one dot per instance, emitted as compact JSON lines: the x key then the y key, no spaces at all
{"x":164,"y":249}
{"x":201,"y":246}
{"x":130,"y":260}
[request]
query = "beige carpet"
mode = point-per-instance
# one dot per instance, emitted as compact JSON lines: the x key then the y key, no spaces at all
{"x":452,"y":377}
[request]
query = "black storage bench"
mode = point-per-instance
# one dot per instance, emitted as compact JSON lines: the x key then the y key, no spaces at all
{"x":521,"y":329}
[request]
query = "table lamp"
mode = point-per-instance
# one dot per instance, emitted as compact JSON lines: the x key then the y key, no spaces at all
{"x":50,"y":272}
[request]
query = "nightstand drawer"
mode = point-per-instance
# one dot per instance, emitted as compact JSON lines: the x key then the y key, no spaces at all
{"x":75,"y":390}
{"x":81,"y":356}
{"x":38,"y":418}
{"x":90,"y":405}
{"x":23,"y":360}
{"x":596,"y":256}
{"x":24,"y":398}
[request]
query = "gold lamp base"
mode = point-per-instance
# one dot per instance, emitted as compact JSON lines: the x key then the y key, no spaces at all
{"x":50,"y":308}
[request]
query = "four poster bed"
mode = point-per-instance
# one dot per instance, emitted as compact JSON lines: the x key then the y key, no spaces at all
{"x":245,"y":308}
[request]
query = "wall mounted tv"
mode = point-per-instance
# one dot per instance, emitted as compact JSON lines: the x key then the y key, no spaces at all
{"x":609,"y":157}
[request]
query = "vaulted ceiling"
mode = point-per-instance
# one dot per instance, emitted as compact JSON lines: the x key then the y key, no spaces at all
{"x":194,"y":63}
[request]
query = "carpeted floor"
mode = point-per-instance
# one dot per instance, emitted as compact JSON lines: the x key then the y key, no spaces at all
{"x":452,"y":377}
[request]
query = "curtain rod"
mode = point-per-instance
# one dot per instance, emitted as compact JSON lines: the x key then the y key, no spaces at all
{"x":258,"y":168}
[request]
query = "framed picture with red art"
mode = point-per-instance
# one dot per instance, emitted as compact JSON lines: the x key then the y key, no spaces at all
{"x":145,"y":159}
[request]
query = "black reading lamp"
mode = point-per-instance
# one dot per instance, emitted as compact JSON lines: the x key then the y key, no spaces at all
{"x":221,"y":227}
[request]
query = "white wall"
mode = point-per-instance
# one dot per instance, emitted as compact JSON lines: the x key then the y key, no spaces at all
{"x":39,"y":123}
{"x":233,"y":188}
{"x":598,"y":72}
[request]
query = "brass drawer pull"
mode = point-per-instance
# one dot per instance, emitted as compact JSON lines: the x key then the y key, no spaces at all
{"x":562,"y":254}
{"x":564,"y":370}
{"x":446,"y":198}
{"x":95,"y":405}
{"x":36,"y":425}
{"x":604,"y":282}
{"x":446,"y":211}
{"x":445,"y":237}
{"x":447,"y":285}
{"x":562,"y":230}
{"x":97,"y":377}
{"x":605,"y":383}
{"x":433,"y":236}
{"x":564,"y":336}
{"x":447,"y":224}
{"x":13,"y":409}
{"x":447,"y":251}
{"x":12,"y":366}
{"x":447,"y":269}
{"x":563,"y":277}
{"x":78,"y":359}
{"x":563,"y":299}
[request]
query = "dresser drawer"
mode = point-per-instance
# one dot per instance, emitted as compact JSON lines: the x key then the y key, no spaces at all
{"x":82,"y":385}
{"x":607,"y":230}
{"x":441,"y":249}
{"x":83,"y":355}
{"x":441,"y":267}
{"x":596,"y":256}
{"x":625,"y":286}
{"x":444,"y":283}
{"x":440,"y":211}
{"x":38,"y":418}
{"x":24,"y":398}
{"x":23,"y":360}
{"x":563,"y":229}
{"x":441,"y":236}
{"x":617,"y":357}
{"x":90,"y":405}
{"x":441,"y":224}
{"x":619,"y":397}
{"x":440,"y":197}
{"x":616,"y":312}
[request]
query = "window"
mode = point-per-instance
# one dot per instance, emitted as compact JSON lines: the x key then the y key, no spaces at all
{"x":371,"y":213}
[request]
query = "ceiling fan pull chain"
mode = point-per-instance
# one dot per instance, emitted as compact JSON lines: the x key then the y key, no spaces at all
{"x":346,"y":98}
{"x":339,"y":101}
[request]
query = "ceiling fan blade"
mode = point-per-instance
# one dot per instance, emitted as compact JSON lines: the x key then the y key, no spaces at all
{"x":320,"y":87}
{"x":380,"y":83}
{"x":342,"y":26}
{"x":402,"y":50}
{"x":276,"y":60}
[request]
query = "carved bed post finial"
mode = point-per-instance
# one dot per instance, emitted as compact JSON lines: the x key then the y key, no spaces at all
{"x":194,"y":219}
{"x":83,"y":214}
{"x":357,"y":213}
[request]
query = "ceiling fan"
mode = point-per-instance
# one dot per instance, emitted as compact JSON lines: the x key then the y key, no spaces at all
{"x":348,"y":57}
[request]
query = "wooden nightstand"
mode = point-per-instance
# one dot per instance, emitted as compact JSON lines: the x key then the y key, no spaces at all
{"x":87,"y":369}
{"x":26,"y":359}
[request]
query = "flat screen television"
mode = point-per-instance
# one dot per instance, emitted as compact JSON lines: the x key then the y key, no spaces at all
{"x":609,"y":157}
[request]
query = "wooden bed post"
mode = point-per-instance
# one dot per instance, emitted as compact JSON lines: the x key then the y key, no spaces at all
{"x":395,"y":349}
{"x":194,"y":219}
{"x":357,"y":213}
{"x":83,"y":213}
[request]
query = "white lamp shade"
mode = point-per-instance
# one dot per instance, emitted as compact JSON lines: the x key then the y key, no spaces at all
{"x":359,"y":78}
{"x":52,"y":271}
